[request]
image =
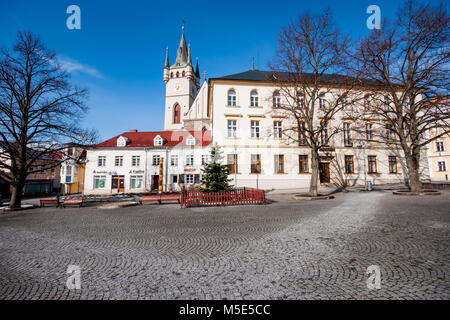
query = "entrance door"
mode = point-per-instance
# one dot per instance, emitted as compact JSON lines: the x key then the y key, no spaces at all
{"x":118,"y":182}
{"x":324,"y":172}
{"x":155,"y":182}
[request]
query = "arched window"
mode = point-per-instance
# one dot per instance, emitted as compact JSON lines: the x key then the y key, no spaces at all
{"x":276,"y":99}
{"x":184,"y":73}
{"x":178,"y":74}
{"x":231,"y":97}
{"x":171,"y":74}
{"x":254,"y":98}
{"x":177,"y":114}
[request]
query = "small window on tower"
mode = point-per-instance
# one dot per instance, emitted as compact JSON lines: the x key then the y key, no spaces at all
{"x":177,"y":114}
{"x":178,"y":74}
{"x":171,"y":74}
{"x":184,"y":73}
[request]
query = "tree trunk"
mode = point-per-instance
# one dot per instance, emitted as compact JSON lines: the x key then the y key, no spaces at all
{"x":313,"y":187}
{"x":16,"y":195}
{"x":413,"y":165}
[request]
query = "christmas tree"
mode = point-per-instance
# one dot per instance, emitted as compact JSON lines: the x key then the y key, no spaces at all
{"x":215,"y":174}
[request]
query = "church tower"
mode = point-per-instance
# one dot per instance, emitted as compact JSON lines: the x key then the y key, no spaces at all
{"x":182,"y":85}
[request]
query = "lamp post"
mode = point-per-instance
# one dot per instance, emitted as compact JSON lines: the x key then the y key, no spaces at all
{"x":363,"y":146}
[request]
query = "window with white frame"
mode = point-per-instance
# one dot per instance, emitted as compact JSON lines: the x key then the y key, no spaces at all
{"x":155,"y":159}
{"x":387,"y":103}
{"x":231,"y":97}
{"x":101,"y":161}
{"x":136,"y":182}
{"x":347,"y":135}
{"x":68,"y":170}
{"x":174,"y":160}
{"x":189,"y":178}
{"x":389,"y":132}
{"x":367,"y":103}
{"x":441,"y":166}
{"x":324,"y":137}
{"x":277,"y":130}
{"x":254,"y":128}
{"x":369,"y":131}
{"x":205,"y":159}
{"x":158,"y":141}
{"x":232,"y":128}
{"x":135,"y":161}
{"x":254,"y":98}
{"x":99,"y":182}
{"x":276,"y":99}
{"x":345,"y":103}
{"x":118,"y":161}
{"x":439,"y":146}
{"x":300,"y":99}
{"x":322,"y":101}
{"x":190,"y":141}
{"x":190,"y":160}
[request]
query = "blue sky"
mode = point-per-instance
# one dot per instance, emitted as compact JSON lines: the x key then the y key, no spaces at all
{"x":119,"y":51}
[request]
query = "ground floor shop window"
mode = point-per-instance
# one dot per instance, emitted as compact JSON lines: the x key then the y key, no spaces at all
{"x":136,"y":182}
{"x":99,"y":182}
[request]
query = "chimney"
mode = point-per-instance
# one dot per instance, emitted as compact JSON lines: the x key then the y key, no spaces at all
{"x":133,"y":130}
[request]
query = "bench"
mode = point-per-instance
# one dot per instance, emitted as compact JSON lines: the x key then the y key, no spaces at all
{"x":72,"y":202}
{"x":49,"y":201}
{"x":159,"y":198}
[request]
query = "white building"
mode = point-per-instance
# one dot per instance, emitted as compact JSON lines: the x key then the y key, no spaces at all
{"x":238,"y":112}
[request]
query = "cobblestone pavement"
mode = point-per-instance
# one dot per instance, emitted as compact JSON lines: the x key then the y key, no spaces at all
{"x":285,"y":250}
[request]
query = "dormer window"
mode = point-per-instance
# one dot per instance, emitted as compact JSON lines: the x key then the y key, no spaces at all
{"x":158,"y":141}
{"x":122,"y":141}
{"x":190,"y":141}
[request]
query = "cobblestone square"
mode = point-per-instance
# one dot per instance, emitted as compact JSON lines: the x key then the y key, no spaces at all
{"x":285,"y":250}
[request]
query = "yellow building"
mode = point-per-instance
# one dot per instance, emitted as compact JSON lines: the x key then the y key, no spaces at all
{"x":72,"y":170}
{"x":439,"y":156}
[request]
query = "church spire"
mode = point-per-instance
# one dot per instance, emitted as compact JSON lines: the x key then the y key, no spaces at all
{"x":182,"y":58}
{"x":166,"y":64}
{"x":197,"y":70}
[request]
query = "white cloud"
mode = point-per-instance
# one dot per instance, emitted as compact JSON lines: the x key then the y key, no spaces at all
{"x":71,"y":65}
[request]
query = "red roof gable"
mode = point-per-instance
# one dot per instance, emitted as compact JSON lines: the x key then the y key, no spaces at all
{"x":171,"y":139}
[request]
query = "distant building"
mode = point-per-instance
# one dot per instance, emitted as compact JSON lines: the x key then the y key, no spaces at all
{"x":72,"y":169}
{"x":46,"y":181}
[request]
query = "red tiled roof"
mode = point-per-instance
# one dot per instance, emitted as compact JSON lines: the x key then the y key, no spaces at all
{"x":171,"y":139}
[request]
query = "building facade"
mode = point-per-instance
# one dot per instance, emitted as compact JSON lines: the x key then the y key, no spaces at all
{"x":439,"y":156}
{"x":72,"y":169}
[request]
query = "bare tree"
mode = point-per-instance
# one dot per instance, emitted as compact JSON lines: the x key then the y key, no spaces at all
{"x":410,"y":60}
{"x":313,"y":83}
{"x":39,"y":108}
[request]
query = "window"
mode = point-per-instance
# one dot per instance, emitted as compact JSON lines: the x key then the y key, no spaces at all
{"x":174,"y":178}
{"x":174,"y":160}
{"x":101,"y":161}
{"x":177,"y":113}
{"x":158,"y":141}
{"x":190,"y":141}
{"x":155,"y":160}
{"x":231,"y":97}
{"x":135,"y":161}
{"x":322,"y":101}
{"x":276,"y":99}
{"x":300,"y":99}
{"x":349,"y":168}
{"x":254,"y":99}
{"x":347,"y":135}
{"x":345,"y":104}
{"x":118,"y":161}
{"x":324,"y":137}
{"x":189,"y":178}
{"x":190,"y":160}
{"x":277,"y":130}
{"x":279,"y":163}
{"x":121,"y":141}
{"x":232,"y":128}
{"x":372,"y":164}
{"x":255,"y":166}
{"x":301,"y":135}
{"x":68,"y":170}
{"x":367,"y":103}
{"x":136,"y":182}
{"x":439,"y":146}
{"x":254,"y":126}
{"x":389,"y":133}
{"x":205,"y":159}
{"x":392,"y":164}
{"x":387,"y":103}
{"x":232,"y":163}
{"x":303,"y":163}
{"x":441,"y":166}
{"x":99,"y":182}
{"x":369,"y":131}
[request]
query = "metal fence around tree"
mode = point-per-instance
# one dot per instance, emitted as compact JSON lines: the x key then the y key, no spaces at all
{"x":236,"y":197}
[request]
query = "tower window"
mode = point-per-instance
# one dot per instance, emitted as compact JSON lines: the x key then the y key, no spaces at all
{"x":178,"y":74}
{"x":171,"y":74}
{"x":177,"y":114}
{"x":184,"y":73}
